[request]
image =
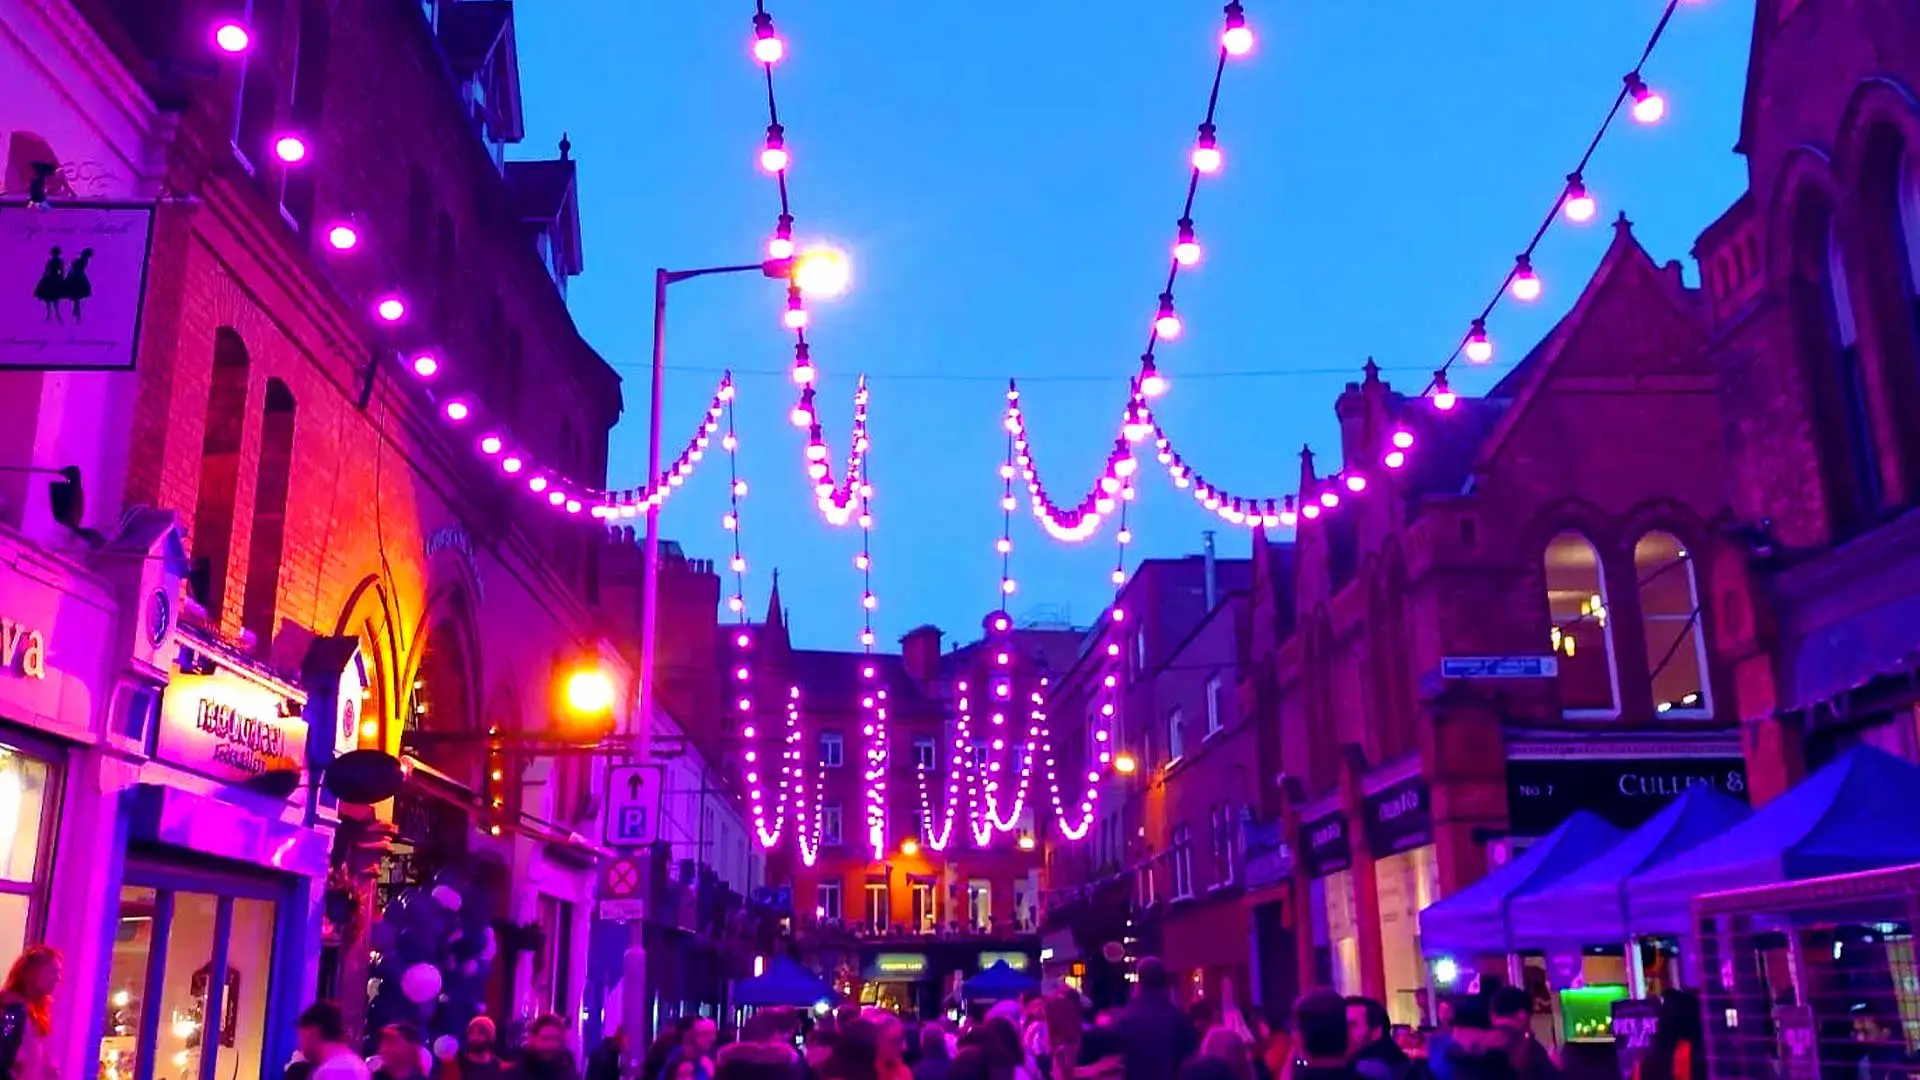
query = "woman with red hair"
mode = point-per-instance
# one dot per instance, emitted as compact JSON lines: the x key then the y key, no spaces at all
{"x":26,"y":1014}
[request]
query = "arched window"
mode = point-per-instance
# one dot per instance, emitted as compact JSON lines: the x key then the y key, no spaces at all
{"x":1825,"y":332}
{"x":438,"y":720}
{"x":1670,"y":614}
{"x":1910,"y":227}
{"x":1851,"y":377}
{"x":268,"y":546}
{"x":219,"y":470}
{"x":1580,"y":633}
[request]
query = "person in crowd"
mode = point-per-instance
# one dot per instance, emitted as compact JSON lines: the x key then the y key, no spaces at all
{"x":696,"y":1045}
{"x":891,"y":1061}
{"x":665,"y":1043}
{"x":402,"y":1054}
{"x":970,"y":1064}
{"x":1320,"y":1028}
{"x":1065,"y":1027}
{"x":770,"y":1059}
{"x":476,"y":1059}
{"x":320,"y":1040}
{"x":545,"y":1056}
{"x":935,"y":1062}
{"x":1476,"y":1050}
{"x":820,"y":1043}
{"x":1102,"y":1052}
{"x":1370,"y":1042}
{"x":1513,"y":1018}
{"x":1155,"y":1035}
{"x":1006,"y":1056}
{"x":1679,"y":1049}
{"x":1882,"y":1054}
{"x":1225,"y":1045}
{"x":607,"y":1060}
{"x":26,"y":1014}
{"x":856,"y":1052}
{"x":1206,"y":1068}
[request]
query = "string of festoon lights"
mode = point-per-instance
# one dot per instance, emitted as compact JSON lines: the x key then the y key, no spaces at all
{"x":1573,"y":202}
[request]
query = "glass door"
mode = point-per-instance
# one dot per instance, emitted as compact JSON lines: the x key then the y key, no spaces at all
{"x":186,"y":996}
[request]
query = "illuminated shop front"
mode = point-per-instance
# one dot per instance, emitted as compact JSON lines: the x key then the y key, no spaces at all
{"x":1398,"y":821}
{"x":1326,"y":857}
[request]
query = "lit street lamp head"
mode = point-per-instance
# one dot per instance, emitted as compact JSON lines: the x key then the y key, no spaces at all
{"x":821,"y":272}
{"x":590,"y":692}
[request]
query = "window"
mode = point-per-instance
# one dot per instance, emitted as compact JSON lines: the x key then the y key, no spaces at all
{"x":268,"y":545}
{"x":1850,"y":378}
{"x":980,"y":904}
{"x":1224,"y":820}
{"x":926,"y":918}
{"x":1670,"y":609}
{"x":1176,"y":737}
{"x":29,"y":799}
{"x":1182,"y":862}
{"x":1580,"y":633}
{"x":920,"y":829}
{"x":830,"y":824}
{"x":1139,"y":651}
{"x":979,"y":753}
{"x":925,"y":757}
{"x":878,"y":915}
{"x":1144,"y":893}
{"x":833,"y":749}
{"x":826,"y":900}
{"x":219,"y":470}
{"x":1216,"y":707}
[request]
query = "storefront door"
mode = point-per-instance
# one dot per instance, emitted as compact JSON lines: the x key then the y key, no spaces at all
{"x":193,"y":960}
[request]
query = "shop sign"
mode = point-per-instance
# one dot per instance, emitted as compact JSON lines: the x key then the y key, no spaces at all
{"x":23,"y":650}
{"x":1018,"y":961}
{"x":87,"y":265}
{"x":227,"y":726}
{"x":1265,"y":853}
{"x":1634,"y":1022}
{"x":1399,"y":818}
{"x":898,"y":966}
{"x":1325,"y":846}
{"x":1543,"y":792}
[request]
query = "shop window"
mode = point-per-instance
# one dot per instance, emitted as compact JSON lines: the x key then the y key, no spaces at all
{"x":830,"y":824}
{"x":925,"y":756}
{"x":27,"y":799}
{"x":267,"y":547}
{"x":189,"y":980}
{"x":833,"y":750}
{"x":1670,"y":612}
{"x":980,"y":904}
{"x":878,"y":916}
{"x":1216,"y":707}
{"x":1176,"y":739}
{"x":1182,"y":862}
{"x":219,"y":470}
{"x":1850,"y":379}
{"x":826,"y":901}
{"x":1581,"y":633}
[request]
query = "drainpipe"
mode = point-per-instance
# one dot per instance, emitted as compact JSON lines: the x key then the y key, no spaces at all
{"x":1212,"y":586}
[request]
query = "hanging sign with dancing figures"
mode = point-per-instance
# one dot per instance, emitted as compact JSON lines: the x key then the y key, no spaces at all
{"x":73,"y":276}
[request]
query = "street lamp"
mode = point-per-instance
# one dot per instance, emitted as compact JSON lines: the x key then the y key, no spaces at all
{"x":816,"y":271}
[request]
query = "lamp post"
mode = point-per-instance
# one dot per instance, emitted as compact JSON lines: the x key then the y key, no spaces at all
{"x":817,"y":272}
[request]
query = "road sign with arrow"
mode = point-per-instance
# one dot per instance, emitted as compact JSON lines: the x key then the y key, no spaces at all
{"x":631,"y":800}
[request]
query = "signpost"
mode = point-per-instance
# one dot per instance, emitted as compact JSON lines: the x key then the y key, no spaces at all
{"x":1499,"y":667}
{"x":630,"y":802}
{"x":622,"y":882}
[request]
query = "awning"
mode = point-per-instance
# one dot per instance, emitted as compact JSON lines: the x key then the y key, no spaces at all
{"x":1589,"y":905}
{"x":1473,"y":921}
{"x":1862,"y":812}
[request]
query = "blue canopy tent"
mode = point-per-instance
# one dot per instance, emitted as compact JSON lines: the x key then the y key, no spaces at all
{"x":1861,"y":812}
{"x":1589,"y":905}
{"x":998,"y":983}
{"x":1473,"y":921}
{"x":784,"y":982}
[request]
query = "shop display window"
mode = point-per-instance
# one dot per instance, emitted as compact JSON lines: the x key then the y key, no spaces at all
{"x":28,"y":797}
{"x":186,"y":996}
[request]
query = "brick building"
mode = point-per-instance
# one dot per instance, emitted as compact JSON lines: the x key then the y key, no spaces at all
{"x":321,"y":501}
{"x":1811,"y":279}
{"x":1575,"y":511}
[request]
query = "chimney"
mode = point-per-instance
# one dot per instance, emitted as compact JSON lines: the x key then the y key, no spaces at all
{"x":1212,"y":583}
{"x":920,"y":652}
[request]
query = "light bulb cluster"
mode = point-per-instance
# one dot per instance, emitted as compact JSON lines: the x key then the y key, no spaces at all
{"x":1000,"y":699}
{"x":836,"y":500}
{"x":806,"y":836}
{"x":873,"y":707}
{"x":633,"y":502}
{"x":1004,"y":546}
{"x":1083,"y":520}
{"x":1100,"y":746}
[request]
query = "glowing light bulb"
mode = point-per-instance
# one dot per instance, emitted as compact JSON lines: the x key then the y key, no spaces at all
{"x":426,"y":366}
{"x":1648,"y":106}
{"x":1402,"y":439}
{"x":512,"y":465}
{"x":457,"y":410}
{"x":1479,"y":348}
{"x":768,"y":48}
{"x":1186,"y":247}
{"x":490,"y":445}
{"x":1152,"y":383}
{"x":343,"y":238}
{"x":821,"y":272}
{"x":290,"y":149}
{"x":232,"y":37}
{"x":1444,"y":398}
{"x":773,"y":156}
{"x":1237,"y":39}
{"x":803,"y":370}
{"x":1578,"y":204}
{"x":1395,"y":459}
{"x":1206,"y":151}
{"x":796,"y":317}
{"x":1356,"y":483}
{"x":1525,"y":284}
{"x":1166,"y":323}
{"x":391,"y":309}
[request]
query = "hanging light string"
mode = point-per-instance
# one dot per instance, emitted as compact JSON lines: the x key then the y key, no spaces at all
{"x":863,"y":494}
{"x":806,"y":838}
{"x":1004,"y":546}
{"x":1573,"y":201}
{"x":978,"y":829}
{"x":939,"y":836}
{"x":1000,"y":700}
{"x":1082,"y":521}
{"x":635,"y":501}
{"x":343,"y":239}
{"x":757,"y":774}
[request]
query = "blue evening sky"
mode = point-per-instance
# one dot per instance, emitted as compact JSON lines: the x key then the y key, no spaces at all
{"x":1007,"y":178}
